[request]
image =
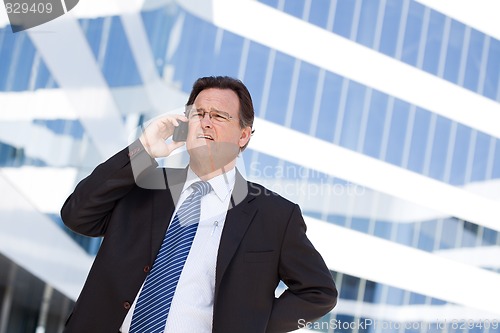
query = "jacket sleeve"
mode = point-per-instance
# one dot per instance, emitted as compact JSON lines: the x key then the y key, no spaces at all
{"x":88,"y":209}
{"x":311,"y":290}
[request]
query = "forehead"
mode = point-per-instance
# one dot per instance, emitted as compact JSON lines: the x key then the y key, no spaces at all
{"x":218,"y":99}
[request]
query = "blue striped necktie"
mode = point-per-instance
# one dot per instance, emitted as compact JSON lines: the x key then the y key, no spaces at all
{"x":154,"y":302}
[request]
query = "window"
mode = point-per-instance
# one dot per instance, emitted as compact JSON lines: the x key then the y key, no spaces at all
{"x":397,"y":132}
{"x":418,"y":144}
{"x":412,"y":33}
{"x":352,"y":115}
{"x":367,"y":22}
{"x":375,"y":126}
{"x":327,"y":119}
{"x":390,"y":27}
{"x":474,"y":56}
{"x":460,"y":155}
{"x":344,"y":12}
{"x":454,"y":51}
{"x":255,"y":73}
{"x":440,"y":148}
{"x":433,"y":42}
{"x":280,"y":88}
{"x":304,"y":100}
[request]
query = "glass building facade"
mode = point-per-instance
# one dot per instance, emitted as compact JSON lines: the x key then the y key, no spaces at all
{"x":377,"y":116}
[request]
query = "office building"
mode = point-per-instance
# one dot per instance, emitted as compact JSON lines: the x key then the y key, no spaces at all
{"x":379,"y":117}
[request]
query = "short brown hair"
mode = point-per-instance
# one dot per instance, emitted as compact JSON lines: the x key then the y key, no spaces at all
{"x":246,"y":112}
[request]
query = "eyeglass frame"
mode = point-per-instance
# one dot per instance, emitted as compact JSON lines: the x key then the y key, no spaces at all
{"x":224,"y":117}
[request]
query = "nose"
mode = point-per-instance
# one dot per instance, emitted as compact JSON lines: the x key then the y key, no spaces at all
{"x":206,"y":121}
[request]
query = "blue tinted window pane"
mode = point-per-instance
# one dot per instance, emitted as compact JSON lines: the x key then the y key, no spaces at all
{"x":343,"y":17}
{"x":93,"y":31}
{"x":375,"y":126}
{"x":318,"y":13}
{"x":344,"y":319}
{"x":294,"y":7}
{"x":454,"y":51}
{"x":417,"y":298}
{"x":433,"y":42}
{"x":72,"y":128}
{"x":426,"y":236}
{"x":440,"y":148}
{"x":313,"y":214}
{"x":272,"y":3}
{"x":228,"y":61}
{"x":350,"y":287}
{"x":264,"y":167}
{"x":119,"y":66}
{"x":469,"y":235}
{"x":42,"y":76}
{"x":194,"y":56}
{"x":496,"y":164}
{"x":383,"y":229}
{"x":489,"y":237}
{"x":412,"y":33}
{"x":360,"y":224}
{"x":7,"y":41}
{"x":492,"y":80}
{"x":480,"y":157}
{"x":329,"y":107}
{"x":367,"y":22}
{"x":158,"y":24}
{"x":379,"y":293}
{"x":304,"y":100}
{"x":404,"y":233}
{"x":24,"y":63}
{"x":449,"y":234}
{"x":435,"y":301}
{"x":420,"y":134}
{"x":474,"y":60}
{"x":397,"y":132}
{"x":460,"y":152}
{"x":395,"y":296}
{"x":352,"y":115}
{"x":280,"y":88}
{"x":336,"y":219}
{"x":255,"y":73}
{"x":390,"y":27}
{"x":370,"y":288}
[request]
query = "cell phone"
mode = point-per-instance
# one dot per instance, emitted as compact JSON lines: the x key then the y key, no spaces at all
{"x":180,"y":132}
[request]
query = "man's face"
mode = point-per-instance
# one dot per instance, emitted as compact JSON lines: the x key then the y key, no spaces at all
{"x":215,"y":142}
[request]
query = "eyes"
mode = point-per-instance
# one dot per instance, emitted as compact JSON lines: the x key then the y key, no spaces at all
{"x":214,"y":115}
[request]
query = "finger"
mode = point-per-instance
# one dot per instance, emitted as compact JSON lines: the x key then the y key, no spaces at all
{"x":176,"y":118}
{"x":174,"y":145}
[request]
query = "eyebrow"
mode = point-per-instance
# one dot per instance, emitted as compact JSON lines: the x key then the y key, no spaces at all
{"x":211,"y":109}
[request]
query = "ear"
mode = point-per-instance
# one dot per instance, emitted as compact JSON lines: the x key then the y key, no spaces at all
{"x":246,"y":133}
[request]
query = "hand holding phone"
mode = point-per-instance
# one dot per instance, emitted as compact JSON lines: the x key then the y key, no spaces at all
{"x":180,"y":132}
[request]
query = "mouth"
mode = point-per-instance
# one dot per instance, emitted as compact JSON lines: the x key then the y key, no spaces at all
{"x":205,"y":136}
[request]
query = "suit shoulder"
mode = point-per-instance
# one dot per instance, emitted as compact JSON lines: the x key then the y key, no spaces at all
{"x":263,"y":193}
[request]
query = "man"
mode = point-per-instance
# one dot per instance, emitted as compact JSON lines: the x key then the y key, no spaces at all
{"x":247,"y":239}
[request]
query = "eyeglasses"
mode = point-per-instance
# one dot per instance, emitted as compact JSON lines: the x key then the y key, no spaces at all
{"x":215,"y":115}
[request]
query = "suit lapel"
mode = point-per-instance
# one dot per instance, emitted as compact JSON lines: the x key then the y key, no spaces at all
{"x":164,"y":202}
{"x":238,"y":218}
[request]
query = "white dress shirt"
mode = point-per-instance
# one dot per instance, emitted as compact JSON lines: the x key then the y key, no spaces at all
{"x":192,"y":305}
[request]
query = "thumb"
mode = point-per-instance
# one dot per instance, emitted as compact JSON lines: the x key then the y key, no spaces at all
{"x":174,"y":145}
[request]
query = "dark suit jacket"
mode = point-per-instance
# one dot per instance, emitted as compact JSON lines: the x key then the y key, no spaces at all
{"x":130,"y":201}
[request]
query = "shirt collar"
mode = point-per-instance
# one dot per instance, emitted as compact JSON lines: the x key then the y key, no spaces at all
{"x":222,"y":184}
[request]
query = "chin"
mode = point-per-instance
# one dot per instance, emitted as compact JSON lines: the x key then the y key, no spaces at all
{"x":214,"y":155}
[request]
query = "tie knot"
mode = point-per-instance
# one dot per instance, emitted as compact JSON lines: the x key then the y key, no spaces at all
{"x":201,"y":187}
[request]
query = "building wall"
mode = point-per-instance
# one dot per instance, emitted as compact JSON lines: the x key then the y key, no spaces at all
{"x":379,"y":117}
